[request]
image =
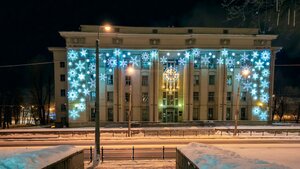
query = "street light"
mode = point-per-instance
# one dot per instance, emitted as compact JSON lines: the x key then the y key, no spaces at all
{"x":97,"y":101}
{"x":130,"y":71}
{"x":245,"y":72}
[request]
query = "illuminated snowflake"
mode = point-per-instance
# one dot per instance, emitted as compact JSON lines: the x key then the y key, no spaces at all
{"x":264,"y":84}
{"x":263,"y":116}
{"x":80,"y":65}
{"x":230,"y":62}
{"x":72,"y":95}
{"x":253,"y":92}
{"x":224,"y":52}
{"x":220,"y":61}
{"x":229,"y":82}
{"x":86,"y":91}
{"x":181,"y":61}
{"x":72,"y":55}
{"x":265,"y":55}
{"x":238,"y":77}
{"x":74,"y":114}
{"x":92,"y":67}
{"x":247,"y":86}
{"x":255,"y":76}
{"x":74,"y":83}
{"x":145,"y":57}
{"x":187,"y":54}
{"x":72,"y":73}
{"x":134,"y":61}
{"x":102,"y":76}
{"x":81,"y":76}
{"x":196,"y":52}
{"x":246,"y":68}
{"x":264,"y":97}
{"x":256,"y":111}
{"x":123,"y":63}
{"x":83,"y":52}
{"x":92,"y":83}
{"x":255,"y":54}
{"x":259,"y":65}
{"x":244,"y":57}
{"x":154,"y":54}
{"x":205,"y":60}
{"x":265,"y":73}
{"x":81,"y":106}
{"x":117,"y":52}
{"x":112,"y":62}
{"x":163,"y":60}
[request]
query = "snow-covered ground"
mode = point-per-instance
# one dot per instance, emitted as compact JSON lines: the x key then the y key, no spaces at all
{"x":138,"y":164}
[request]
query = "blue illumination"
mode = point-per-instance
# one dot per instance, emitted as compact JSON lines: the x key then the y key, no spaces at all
{"x":205,"y":60}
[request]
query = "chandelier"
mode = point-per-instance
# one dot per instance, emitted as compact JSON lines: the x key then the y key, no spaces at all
{"x":170,"y":79}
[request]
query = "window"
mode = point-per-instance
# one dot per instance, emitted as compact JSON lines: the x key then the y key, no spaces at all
{"x":228,"y":97}
{"x":93,"y":115}
{"x":197,"y":64}
{"x":110,"y":80}
{"x":63,"y":107}
{"x":62,"y":77}
{"x":243,"y":113}
{"x":196,"y":96}
{"x":229,"y":80}
{"x":196,"y":80}
{"x":128,"y":80}
{"x":244,"y":96}
{"x":190,"y":30}
{"x":110,"y":114}
{"x":144,"y":80}
{"x":62,"y":92}
{"x":62,"y":64}
{"x":228,"y":113}
{"x":211,"y":80}
{"x":210,"y":114}
{"x":211,"y":96}
{"x":93,"y":96}
{"x":127,"y":97}
{"x":110,"y":96}
{"x":196,"y":114}
{"x":145,"y":114}
{"x":145,"y":97}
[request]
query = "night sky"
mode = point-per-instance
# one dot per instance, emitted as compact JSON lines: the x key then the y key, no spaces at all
{"x":30,"y":27}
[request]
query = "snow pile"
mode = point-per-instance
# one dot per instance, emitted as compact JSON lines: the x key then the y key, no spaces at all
{"x":209,"y":157}
{"x":36,"y":159}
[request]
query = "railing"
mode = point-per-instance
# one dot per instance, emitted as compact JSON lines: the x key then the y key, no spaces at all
{"x":182,"y":162}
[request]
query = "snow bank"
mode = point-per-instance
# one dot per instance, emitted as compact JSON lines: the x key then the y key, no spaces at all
{"x":36,"y":159}
{"x":209,"y":157}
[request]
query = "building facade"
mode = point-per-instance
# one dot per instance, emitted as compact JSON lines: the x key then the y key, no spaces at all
{"x":180,"y":74}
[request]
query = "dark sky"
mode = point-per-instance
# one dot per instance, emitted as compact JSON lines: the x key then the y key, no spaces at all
{"x":30,"y":26}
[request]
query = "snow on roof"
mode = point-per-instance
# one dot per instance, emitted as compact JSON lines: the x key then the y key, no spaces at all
{"x":36,"y":159}
{"x":210,"y":157}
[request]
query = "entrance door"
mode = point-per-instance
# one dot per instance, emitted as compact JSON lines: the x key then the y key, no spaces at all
{"x":170,"y":115}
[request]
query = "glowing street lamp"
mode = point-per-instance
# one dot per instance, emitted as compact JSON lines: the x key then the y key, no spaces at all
{"x":130,"y":71}
{"x":245,"y":72}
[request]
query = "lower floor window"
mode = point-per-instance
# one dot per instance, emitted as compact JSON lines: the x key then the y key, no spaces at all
{"x":145,"y":114}
{"x":110,"y":114}
{"x":195,"y":114}
{"x":210,"y":114}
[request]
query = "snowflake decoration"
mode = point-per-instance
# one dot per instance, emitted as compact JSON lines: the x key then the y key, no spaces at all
{"x":92,"y":67}
{"x":263,"y":116}
{"x":196,"y":52}
{"x":255,"y":54}
{"x":72,"y":73}
{"x":255,"y":76}
{"x":154,"y":54}
{"x":117,"y":52}
{"x":253,"y":92}
{"x":238,"y":77}
{"x":264,"y":97}
{"x":220,"y":61}
{"x":224,"y":52}
{"x":229,"y":82}
{"x":92,"y":83}
{"x":265,"y":73}
{"x":246,"y":68}
{"x":123,"y":63}
{"x":187,"y":54}
{"x":102,"y":76}
{"x":181,"y":61}
{"x":80,"y":65}
{"x":86,"y":92}
{"x":72,"y":55}
{"x":112,"y":62}
{"x":74,"y":83}
{"x":81,"y":106}
{"x":163,"y":60}
{"x":264,"y":84}
{"x":81,"y":76}
{"x":205,"y":60}
{"x":145,"y":57}
{"x":265,"y":55}
{"x":244,"y":57}
{"x":230,"y":62}
{"x":134,"y":61}
{"x":256,"y":111}
{"x":74,"y":114}
{"x":72,"y":95}
{"x":259,"y":65}
{"x":247,"y":86}
{"x":83,"y":52}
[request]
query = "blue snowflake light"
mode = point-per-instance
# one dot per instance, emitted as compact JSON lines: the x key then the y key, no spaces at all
{"x":74,"y":114}
{"x":205,"y":60}
{"x":181,"y":61}
{"x":163,"y":60}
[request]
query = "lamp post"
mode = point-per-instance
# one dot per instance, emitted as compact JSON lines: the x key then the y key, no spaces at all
{"x":130,"y":71}
{"x":97,"y":101}
{"x":244,"y":73}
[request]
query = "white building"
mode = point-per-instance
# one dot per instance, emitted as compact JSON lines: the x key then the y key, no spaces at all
{"x":180,"y":74}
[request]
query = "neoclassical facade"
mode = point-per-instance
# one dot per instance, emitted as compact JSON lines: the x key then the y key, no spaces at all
{"x":180,"y":74}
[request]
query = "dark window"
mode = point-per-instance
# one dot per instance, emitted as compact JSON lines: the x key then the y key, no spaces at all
{"x":93,"y":115}
{"x":196,"y":80}
{"x":211,"y":96}
{"x":145,"y":97}
{"x":128,"y":80}
{"x":196,"y":114}
{"x":228,"y":113}
{"x":63,"y":107}
{"x":244,"y":96}
{"x":145,"y":114}
{"x":93,"y":96}
{"x":154,"y":30}
{"x":117,"y":29}
{"x":62,"y":77}
{"x":62,"y":92}
{"x":196,"y":96}
{"x":62,"y":64}
{"x":110,"y":114}
{"x":229,"y":80}
{"x":228,"y":98}
{"x":210,"y":114}
{"x":190,"y":30}
{"x":211,"y":80}
{"x":127,"y":97}
{"x":144,"y":80}
{"x":225,"y":31}
{"x":243,"y":113}
{"x":110,"y":80}
{"x":110,"y":96}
